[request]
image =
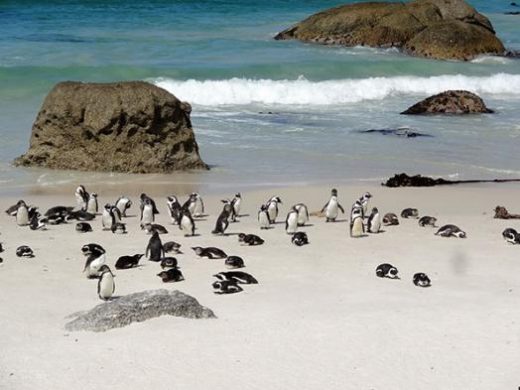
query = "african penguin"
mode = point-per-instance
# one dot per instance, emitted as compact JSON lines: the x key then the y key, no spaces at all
{"x":147,"y":213}
{"x":357,"y":229}
{"x":172,"y":246}
{"x":24,"y":251}
{"x":410,"y":213}
{"x":390,"y":219}
{"x":226,"y":287}
{"x":209,"y":252}
{"x":332,"y":207}
{"x":186,"y":223}
{"x":272,"y":208}
{"x":300,"y":239}
{"x":22,"y":214}
{"x":374,"y":221}
{"x":421,"y":280}
{"x":82,"y":197}
{"x":291,"y":222}
{"x":146,"y":199}
{"x":92,"y":203}
{"x":96,"y":257}
{"x":250,"y":239}
{"x":154,"y":227}
{"x":303,"y":213}
{"x":106,"y":284}
{"x":238,"y":276}
{"x":83,"y":227}
{"x":511,"y":236}
{"x":154,"y":249}
{"x":126,"y":262}
{"x":171,"y":275}
{"x":174,"y":207}
{"x":123,"y":204}
{"x":387,"y":271}
{"x":450,"y":231}
{"x":236,"y":203}
{"x":263,"y":217}
{"x":168,"y":262}
{"x":234,"y":262}
{"x":427,"y":221}
{"x":222,"y":220}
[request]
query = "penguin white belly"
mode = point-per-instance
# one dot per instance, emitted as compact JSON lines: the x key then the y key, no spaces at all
{"x":236,"y":207}
{"x":80,"y":201}
{"x":93,"y":268}
{"x":106,"y":219}
{"x":331,"y":211}
{"x":92,"y":206}
{"x":303,"y":216}
{"x":357,"y":227}
{"x":148,"y":216}
{"x":292,"y":223}
{"x":186,"y":225}
{"x":192,"y":207}
{"x":273,"y":211}
{"x":22,"y":216}
{"x":375,"y":225}
{"x":263,"y":220}
{"x":106,"y":286}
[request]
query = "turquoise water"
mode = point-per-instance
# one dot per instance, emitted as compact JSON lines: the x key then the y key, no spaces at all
{"x":220,"y":56}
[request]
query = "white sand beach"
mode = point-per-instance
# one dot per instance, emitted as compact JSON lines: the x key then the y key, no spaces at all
{"x":318,"y":319}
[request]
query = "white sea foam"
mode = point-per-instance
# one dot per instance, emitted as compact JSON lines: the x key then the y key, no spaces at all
{"x":239,"y":91}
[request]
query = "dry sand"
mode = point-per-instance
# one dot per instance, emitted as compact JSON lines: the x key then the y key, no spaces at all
{"x":319,"y":319}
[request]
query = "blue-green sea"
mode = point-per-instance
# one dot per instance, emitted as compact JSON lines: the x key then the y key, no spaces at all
{"x":265,"y":112}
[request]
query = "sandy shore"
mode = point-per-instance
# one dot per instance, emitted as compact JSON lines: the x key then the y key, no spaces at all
{"x":319,"y":319}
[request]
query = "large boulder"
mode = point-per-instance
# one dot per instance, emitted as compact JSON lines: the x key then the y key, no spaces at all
{"x":441,"y":29}
{"x":138,"y":307}
{"x":450,"y":102}
{"x":132,"y":127}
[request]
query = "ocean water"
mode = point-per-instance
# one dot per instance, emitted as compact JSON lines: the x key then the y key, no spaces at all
{"x":265,"y":112}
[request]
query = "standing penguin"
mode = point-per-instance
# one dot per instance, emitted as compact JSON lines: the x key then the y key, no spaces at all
{"x":235,"y":206}
{"x":191,"y":204}
{"x":106,"y":285}
{"x":364,"y":201}
{"x":147,"y":213}
{"x":186,"y":223}
{"x":154,"y":249}
{"x":22,"y":214}
{"x":263,"y":217}
{"x":145,"y":198}
{"x":303,"y":214}
{"x":357,"y":228}
{"x":272,"y":208}
{"x":223,"y":220}
{"x":198,"y":211}
{"x":107,"y":218}
{"x":332,"y":206}
{"x":96,"y":258}
{"x":291,"y":222}
{"x":174,"y":207}
{"x":374,"y":221}
{"x":123,"y":203}
{"x":82,"y":197}
{"x":92,"y":203}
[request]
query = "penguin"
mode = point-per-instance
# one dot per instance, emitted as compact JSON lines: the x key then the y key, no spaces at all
{"x":238,"y":276}
{"x":107,"y":217}
{"x":357,"y":228}
{"x":126,"y":262}
{"x":24,"y":251}
{"x":171,"y":275}
{"x":427,"y":221}
{"x":332,"y":206}
{"x":174,"y":208}
{"x":118,"y":228}
{"x":96,"y":257}
{"x":303,"y":213}
{"x":291,"y":222}
{"x":82,"y":197}
{"x":54,"y":219}
{"x":172,"y":246}
{"x":235,"y":206}
{"x":168,"y":262}
{"x":154,"y":249}
{"x":263,"y":217}
{"x":226,"y":287}
{"x":410,"y":213}
{"x":209,"y":252}
{"x":300,"y":239}
{"x":154,"y":227}
{"x":146,"y":199}
{"x":250,"y":239}
{"x":511,"y":236}
{"x":147,"y":213}
{"x":450,"y":231}
{"x":186,"y":223}
{"x":234,"y":262}
{"x":374,"y":221}
{"x":36,"y":223}
{"x":123,"y":204}
{"x":421,"y":280}
{"x":364,"y":202}
{"x":59,"y":210}
{"x":222,"y":220}
{"x":387,"y":271}
{"x":198,"y":210}
{"x":272,"y":208}
{"x":22,"y":214}
{"x":80,"y":215}
{"x":92,"y":204}
{"x":191,"y":203}
{"x":83,"y":227}
{"x":106,"y":285}
{"x":390,"y":219}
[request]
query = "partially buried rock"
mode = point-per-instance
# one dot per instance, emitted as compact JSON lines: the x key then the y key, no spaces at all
{"x":138,"y":307}
{"x":450,"y":102}
{"x":131,"y":127}
{"x":441,"y":29}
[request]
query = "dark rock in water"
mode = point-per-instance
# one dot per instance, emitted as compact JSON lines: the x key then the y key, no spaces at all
{"x":400,"y":132}
{"x":138,"y":307}
{"x":449,"y":102}
{"x":441,"y":29}
{"x":512,"y":13}
{"x":512,"y":54}
{"x":121,"y":127}
{"x":403,"y":180}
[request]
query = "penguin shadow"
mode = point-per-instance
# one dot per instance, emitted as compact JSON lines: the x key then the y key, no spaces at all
{"x":306,"y":225}
{"x":338,"y":220}
{"x":364,"y":235}
{"x":192,"y":235}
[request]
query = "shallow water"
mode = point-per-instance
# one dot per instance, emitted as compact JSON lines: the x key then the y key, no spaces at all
{"x":265,"y":112}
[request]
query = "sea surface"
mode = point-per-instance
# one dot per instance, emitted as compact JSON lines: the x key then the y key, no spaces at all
{"x":265,"y":112}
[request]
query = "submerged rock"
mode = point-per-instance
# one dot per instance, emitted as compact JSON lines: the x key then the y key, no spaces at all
{"x":399,"y":132}
{"x":131,"y":127}
{"x":450,"y":102}
{"x":441,"y":29}
{"x":138,"y":307}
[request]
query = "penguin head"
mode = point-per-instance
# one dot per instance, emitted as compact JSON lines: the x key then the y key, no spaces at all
{"x":105,"y":269}
{"x":460,"y":234}
{"x":241,"y":237}
{"x":21,"y":203}
{"x":366,"y":196}
{"x":334,"y":192}
{"x":375,"y":211}
{"x":392,"y":273}
{"x":197,"y":249}
{"x":94,"y":195}
{"x":238,"y":195}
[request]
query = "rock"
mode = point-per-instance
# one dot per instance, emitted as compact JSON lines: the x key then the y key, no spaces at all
{"x":449,"y":102}
{"x":131,"y":127}
{"x":441,"y":29}
{"x":399,"y":132}
{"x":138,"y":307}
{"x":403,"y":180}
